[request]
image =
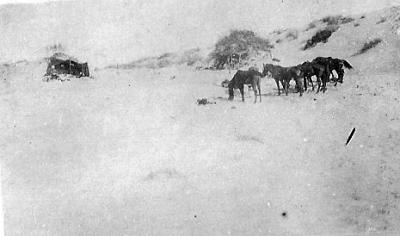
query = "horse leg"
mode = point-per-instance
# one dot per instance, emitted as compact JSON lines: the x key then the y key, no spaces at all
{"x":255,"y":91}
{"x":256,"y":85}
{"x":298,"y":84}
{"x":305,"y":83}
{"x":279,"y":88}
{"x":319,"y":83}
{"x":287,"y":87}
{"x":231,"y":93}
{"x":340,"y":77}
{"x":312,"y":84}
{"x":241,"y":88}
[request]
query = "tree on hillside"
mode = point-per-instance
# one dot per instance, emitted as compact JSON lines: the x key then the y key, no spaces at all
{"x":242,"y":43}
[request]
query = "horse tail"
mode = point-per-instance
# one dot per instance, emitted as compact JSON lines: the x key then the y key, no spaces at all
{"x":347,"y":64}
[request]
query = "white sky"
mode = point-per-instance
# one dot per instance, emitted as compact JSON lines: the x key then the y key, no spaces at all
{"x":24,"y":1}
{"x":130,"y":29}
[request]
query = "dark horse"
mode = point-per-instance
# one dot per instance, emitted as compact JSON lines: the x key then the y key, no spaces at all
{"x":250,"y":77}
{"x":310,"y":69}
{"x":284,"y":75}
{"x":334,"y":64}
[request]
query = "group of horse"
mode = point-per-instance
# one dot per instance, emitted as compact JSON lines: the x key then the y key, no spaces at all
{"x":321,"y":67}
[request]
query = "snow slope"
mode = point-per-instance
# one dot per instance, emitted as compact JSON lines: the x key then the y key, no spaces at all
{"x":131,"y":153}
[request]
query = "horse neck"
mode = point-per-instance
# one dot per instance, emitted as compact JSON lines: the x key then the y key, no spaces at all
{"x":276,"y":70}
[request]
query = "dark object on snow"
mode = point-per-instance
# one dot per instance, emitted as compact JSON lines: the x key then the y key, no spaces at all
{"x":351,"y":136}
{"x":204,"y":101}
{"x":62,"y":64}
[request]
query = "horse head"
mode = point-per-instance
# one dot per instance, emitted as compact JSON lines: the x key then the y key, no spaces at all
{"x":267,"y":69}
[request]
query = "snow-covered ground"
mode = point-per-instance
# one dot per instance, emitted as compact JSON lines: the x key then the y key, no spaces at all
{"x":131,"y":153}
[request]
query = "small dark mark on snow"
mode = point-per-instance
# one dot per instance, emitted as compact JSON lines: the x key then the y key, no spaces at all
{"x":163,"y":174}
{"x":204,"y":101}
{"x":195,"y":216}
{"x":284,"y":214}
{"x":315,"y":99}
{"x":351,"y":136}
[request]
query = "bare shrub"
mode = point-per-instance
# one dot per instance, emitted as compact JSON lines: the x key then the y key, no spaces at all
{"x":240,"y":42}
{"x":278,"y":32}
{"x":336,"y":20}
{"x":368,"y":45}
{"x":345,"y":20}
{"x":321,"y":36}
{"x":382,"y":20}
{"x":276,"y":59}
{"x":331,"y":20}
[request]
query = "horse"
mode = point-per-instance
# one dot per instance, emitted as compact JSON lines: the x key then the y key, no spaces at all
{"x":284,"y":75}
{"x":249,"y":77}
{"x":337,"y":65}
{"x":310,"y":69}
{"x":334,"y":64}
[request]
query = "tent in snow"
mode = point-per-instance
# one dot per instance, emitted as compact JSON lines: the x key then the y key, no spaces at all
{"x":60,"y":63}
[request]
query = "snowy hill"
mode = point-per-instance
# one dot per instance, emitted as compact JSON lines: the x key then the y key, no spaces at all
{"x":131,"y":153}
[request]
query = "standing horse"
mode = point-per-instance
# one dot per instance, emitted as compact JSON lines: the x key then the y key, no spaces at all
{"x":250,"y":77}
{"x":337,"y":65}
{"x":284,"y":75}
{"x":310,"y":69}
{"x":334,"y":64}
{"x":325,"y":62}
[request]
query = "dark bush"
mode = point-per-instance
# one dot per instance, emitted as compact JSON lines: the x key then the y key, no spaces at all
{"x":331,"y":20}
{"x":278,"y":32}
{"x":320,"y":36}
{"x":276,"y":60}
{"x":362,"y":17}
{"x":278,"y":41}
{"x":336,"y":20}
{"x":345,"y":20}
{"x":368,"y":45}
{"x":356,"y":24}
{"x":240,"y":42}
{"x":382,"y":20}
{"x":165,"y":55}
